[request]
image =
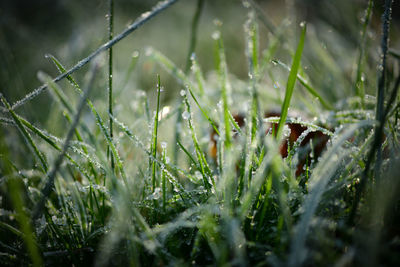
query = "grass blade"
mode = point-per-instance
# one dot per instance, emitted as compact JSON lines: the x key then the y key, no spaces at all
{"x":309,"y":88}
{"x":202,"y":162}
{"x":24,"y":222}
{"x":98,"y":119}
{"x":317,"y":186}
{"x":154,"y":137}
{"x":291,"y":82}
{"x":359,"y":84}
{"x":220,"y":62}
{"x":25,"y":134}
{"x":110,"y":74}
{"x":203,"y":111}
{"x":193,"y":33}
{"x":51,"y":176}
{"x":168,"y":65}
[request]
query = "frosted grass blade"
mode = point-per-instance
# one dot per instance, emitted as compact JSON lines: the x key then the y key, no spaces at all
{"x":98,"y":119}
{"x":317,"y":186}
{"x":51,"y":175}
{"x":25,"y":134}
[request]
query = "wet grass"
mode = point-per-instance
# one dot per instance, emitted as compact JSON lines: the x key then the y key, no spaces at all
{"x":210,"y":178}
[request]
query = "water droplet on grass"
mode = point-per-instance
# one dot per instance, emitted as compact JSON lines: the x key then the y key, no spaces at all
{"x":216,"y":35}
{"x":135,"y":54}
{"x":198,"y":175}
{"x":185,"y":115}
{"x":182,"y":92}
{"x":164,"y":145}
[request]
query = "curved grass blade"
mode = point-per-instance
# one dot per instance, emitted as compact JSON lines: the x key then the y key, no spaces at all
{"x":70,"y":111}
{"x":98,"y":119}
{"x":51,"y":175}
{"x":25,"y":134}
{"x":317,"y":186}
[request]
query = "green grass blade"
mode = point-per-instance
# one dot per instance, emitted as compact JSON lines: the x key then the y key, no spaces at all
{"x":66,"y":103}
{"x":24,"y":222}
{"x":220,"y":62}
{"x":204,"y":112}
{"x":110,"y":73}
{"x":51,"y":175}
{"x":204,"y":167}
{"x":359,"y":83}
{"x":317,"y":186}
{"x":52,"y":141}
{"x":154,"y":136}
{"x":168,"y":66}
{"x":43,"y":77}
{"x":25,"y":134}
{"x":306,"y":84}
{"x":188,"y":154}
{"x":193,"y":33}
{"x":291,"y":82}
{"x":98,"y":119}
{"x":198,"y":74}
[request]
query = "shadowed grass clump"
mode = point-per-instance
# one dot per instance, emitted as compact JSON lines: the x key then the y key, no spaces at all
{"x":232,"y":171}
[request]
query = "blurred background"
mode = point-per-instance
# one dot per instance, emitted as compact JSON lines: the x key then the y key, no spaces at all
{"x":71,"y":29}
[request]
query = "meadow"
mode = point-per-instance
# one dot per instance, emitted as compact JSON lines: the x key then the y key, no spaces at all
{"x":246,"y":139}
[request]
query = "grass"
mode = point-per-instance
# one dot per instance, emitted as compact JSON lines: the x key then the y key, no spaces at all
{"x":185,"y":182}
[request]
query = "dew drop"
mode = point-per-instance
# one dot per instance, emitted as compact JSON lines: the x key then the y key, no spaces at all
{"x":135,"y":54}
{"x":183,"y":92}
{"x":198,"y":175}
{"x":216,"y":35}
{"x":148,"y":51}
{"x":164,"y":145}
{"x":185,"y":115}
